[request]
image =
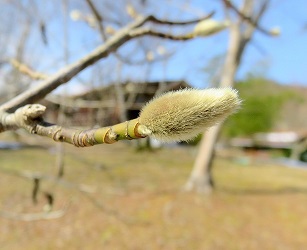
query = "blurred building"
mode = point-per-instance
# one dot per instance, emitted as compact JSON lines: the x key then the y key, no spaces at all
{"x":109,"y":104}
{"x":293,"y":142}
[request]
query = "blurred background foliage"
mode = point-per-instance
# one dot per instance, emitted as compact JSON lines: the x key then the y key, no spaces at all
{"x":264,"y":106}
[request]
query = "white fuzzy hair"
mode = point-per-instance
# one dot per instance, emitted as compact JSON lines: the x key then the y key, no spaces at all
{"x":181,"y":115}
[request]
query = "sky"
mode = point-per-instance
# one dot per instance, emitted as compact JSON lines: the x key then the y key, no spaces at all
{"x":282,"y":59}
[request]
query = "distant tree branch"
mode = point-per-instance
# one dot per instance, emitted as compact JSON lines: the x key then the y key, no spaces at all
{"x":42,"y":177}
{"x":98,"y":18}
{"x":147,"y":31}
{"x":30,"y":118}
{"x":84,"y":190}
{"x":22,"y":68}
{"x":167,"y":22}
{"x":68,"y":72}
{"x":65,"y":74}
{"x":252,"y":21}
{"x":33,"y":216}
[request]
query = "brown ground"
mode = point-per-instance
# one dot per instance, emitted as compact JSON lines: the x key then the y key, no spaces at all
{"x":137,"y":202}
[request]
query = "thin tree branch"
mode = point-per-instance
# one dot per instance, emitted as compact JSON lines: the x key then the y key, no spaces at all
{"x":153,"y":19}
{"x":167,"y":22}
{"x":147,"y":31}
{"x":30,"y":118}
{"x":249,"y":19}
{"x":108,"y":211}
{"x":85,"y":190}
{"x":94,"y":10}
{"x":24,"y":69}
{"x":42,"y":177}
{"x":262,"y":10}
{"x":98,"y":19}
{"x":67,"y":73}
{"x":34,"y":216}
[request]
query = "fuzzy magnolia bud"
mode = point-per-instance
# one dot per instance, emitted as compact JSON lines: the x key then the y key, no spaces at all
{"x":182,"y":114}
{"x":209,"y":27}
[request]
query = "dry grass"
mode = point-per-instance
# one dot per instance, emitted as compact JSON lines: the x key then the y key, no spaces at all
{"x":138,"y":204}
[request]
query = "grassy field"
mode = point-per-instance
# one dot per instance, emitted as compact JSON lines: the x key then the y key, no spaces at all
{"x":134,"y":202}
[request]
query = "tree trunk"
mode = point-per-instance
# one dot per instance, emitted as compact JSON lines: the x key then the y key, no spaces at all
{"x":201,"y":179}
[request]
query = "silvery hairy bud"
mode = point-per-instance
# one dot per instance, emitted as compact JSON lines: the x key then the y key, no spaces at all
{"x":181,"y":115}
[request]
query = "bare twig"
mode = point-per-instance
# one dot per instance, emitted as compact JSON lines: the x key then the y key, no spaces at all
{"x":167,"y":22}
{"x":108,"y":211}
{"x":27,"y":70}
{"x":143,"y":31}
{"x":98,"y":19}
{"x":67,"y":73}
{"x":38,"y":176}
{"x":34,"y":216}
{"x":30,"y":118}
{"x":84,"y":190}
{"x":249,"y":19}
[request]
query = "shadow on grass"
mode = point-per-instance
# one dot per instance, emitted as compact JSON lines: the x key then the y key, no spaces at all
{"x":19,"y":146}
{"x":280,"y":191}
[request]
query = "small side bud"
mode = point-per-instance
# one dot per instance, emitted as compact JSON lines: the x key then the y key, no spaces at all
{"x":92,"y":22}
{"x":209,"y":27}
{"x":131,"y":11}
{"x":181,"y":115}
{"x":150,"y":56}
{"x":275,"y":31}
{"x":161,"y":50}
{"x":75,"y":15}
{"x":110,"y":30}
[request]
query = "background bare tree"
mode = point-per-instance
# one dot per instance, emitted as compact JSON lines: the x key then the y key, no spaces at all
{"x":244,"y":21}
{"x":15,"y":111}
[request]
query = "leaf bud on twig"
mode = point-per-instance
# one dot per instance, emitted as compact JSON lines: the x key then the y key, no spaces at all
{"x":181,"y":115}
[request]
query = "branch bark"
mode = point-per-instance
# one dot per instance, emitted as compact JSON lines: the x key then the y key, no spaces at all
{"x":174,"y":116}
{"x":30,"y":118}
